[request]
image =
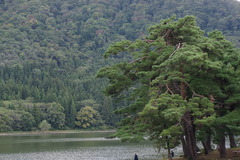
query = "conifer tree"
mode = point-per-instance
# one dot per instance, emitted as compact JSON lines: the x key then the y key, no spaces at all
{"x":36,"y":112}
{"x":176,"y":78}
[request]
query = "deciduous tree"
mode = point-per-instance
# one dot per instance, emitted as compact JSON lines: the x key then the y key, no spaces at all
{"x":88,"y":117}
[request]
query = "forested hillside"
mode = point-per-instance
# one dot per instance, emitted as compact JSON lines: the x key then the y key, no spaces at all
{"x":50,"y":52}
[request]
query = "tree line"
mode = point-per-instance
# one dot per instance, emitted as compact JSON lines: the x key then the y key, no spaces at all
{"x":24,"y":115}
{"x":51,"y":50}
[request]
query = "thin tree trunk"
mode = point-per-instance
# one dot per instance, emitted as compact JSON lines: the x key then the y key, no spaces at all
{"x":184,"y":147}
{"x":183,"y":92}
{"x":169,"y":151}
{"x":206,"y":151}
{"x":208,"y":142}
{"x":222,"y":147}
{"x":232,"y":140}
{"x":183,"y":85}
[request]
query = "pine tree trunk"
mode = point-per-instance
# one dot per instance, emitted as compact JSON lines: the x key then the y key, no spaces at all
{"x":207,"y":144}
{"x":169,"y":151}
{"x":209,"y":141}
{"x":190,"y":136}
{"x":206,"y":151}
{"x":189,"y":129}
{"x":222,"y":147}
{"x":184,"y":147}
{"x":232,"y":140}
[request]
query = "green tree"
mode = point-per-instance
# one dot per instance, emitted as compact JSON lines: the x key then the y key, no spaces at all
{"x":44,"y":126}
{"x":168,"y":77}
{"x":71,"y":114}
{"x":107,"y":111}
{"x":36,"y":112}
{"x":90,"y":102}
{"x":5,"y":123}
{"x":27,"y":121}
{"x":88,"y":117}
{"x":21,"y":120}
{"x":55,"y":115}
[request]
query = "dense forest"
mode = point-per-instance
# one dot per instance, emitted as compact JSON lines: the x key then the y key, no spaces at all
{"x":51,"y":51}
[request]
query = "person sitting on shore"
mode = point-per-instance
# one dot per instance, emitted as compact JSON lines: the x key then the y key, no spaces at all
{"x":135,"y":157}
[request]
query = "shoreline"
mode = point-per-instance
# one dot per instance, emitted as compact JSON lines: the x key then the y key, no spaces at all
{"x":53,"y":132}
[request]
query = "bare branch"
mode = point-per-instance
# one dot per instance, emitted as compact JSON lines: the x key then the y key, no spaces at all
{"x":169,"y":90}
{"x":179,"y":45}
{"x":172,"y":53}
{"x":160,"y":49}
{"x":167,"y":33}
{"x":178,"y":123}
{"x":149,"y":41}
{"x":139,"y":59}
{"x":194,"y":93}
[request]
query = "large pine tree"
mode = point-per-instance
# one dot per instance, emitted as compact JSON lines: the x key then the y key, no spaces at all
{"x":179,"y":81}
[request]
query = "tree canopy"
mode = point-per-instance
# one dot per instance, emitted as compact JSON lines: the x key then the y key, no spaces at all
{"x":181,"y":83}
{"x":88,"y":117}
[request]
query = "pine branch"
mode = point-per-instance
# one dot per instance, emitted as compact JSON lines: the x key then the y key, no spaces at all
{"x":177,"y":47}
{"x":194,"y":93}
{"x":139,"y":59}
{"x":149,"y":41}
{"x":169,"y":90}
{"x":167,"y":33}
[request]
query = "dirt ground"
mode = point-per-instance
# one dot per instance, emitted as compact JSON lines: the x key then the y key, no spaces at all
{"x":232,"y":154}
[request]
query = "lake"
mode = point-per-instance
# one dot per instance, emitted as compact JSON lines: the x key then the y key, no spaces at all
{"x":73,"y":146}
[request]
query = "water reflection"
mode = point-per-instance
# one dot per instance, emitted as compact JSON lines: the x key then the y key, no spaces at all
{"x":65,"y":140}
{"x":84,"y":146}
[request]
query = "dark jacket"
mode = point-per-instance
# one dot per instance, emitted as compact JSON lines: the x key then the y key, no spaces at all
{"x":135,"y":157}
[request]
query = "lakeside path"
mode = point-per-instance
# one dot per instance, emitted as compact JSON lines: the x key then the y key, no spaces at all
{"x":54,"y":132}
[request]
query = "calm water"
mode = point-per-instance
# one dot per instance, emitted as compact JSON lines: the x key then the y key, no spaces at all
{"x":73,"y":146}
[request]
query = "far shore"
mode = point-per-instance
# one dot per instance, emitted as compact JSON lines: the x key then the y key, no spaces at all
{"x":53,"y":132}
